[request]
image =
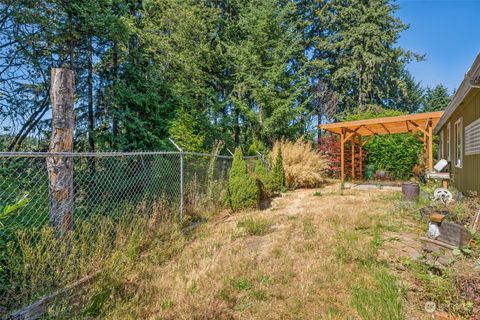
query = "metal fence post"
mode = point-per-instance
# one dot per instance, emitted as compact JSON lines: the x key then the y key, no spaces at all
{"x":182,"y":193}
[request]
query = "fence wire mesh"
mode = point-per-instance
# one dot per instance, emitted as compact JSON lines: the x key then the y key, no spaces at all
{"x":107,"y":196}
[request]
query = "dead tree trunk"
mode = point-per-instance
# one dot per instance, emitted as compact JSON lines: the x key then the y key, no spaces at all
{"x":59,"y":167}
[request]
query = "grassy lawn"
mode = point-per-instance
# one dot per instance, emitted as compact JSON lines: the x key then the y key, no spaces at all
{"x":315,"y":254}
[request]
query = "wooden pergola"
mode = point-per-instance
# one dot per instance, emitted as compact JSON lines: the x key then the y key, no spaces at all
{"x":356,"y":130}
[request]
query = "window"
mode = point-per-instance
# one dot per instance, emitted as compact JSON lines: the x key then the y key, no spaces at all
{"x":440,"y":146}
{"x":472,"y":138}
{"x":458,"y":142}
{"x":449,"y":149}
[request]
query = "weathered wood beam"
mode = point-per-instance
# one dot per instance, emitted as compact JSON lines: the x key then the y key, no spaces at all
{"x":37,"y":309}
{"x":60,"y":168}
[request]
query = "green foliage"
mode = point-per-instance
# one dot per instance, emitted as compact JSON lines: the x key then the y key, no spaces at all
{"x":380,"y":300}
{"x":187,"y":131}
{"x":369,"y":67}
{"x":277,"y":179}
{"x":261,"y":172}
{"x":440,"y":286}
{"x":8,"y":210}
{"x":255,"y":227}
{"x":411,"y":94}
{"x":243,"y":191}
{"x":369,"y":112}
{"x":255,"y":147}
{"x":436,"y":99}
{"x":246,"y":72}
{"x":396,"y":153}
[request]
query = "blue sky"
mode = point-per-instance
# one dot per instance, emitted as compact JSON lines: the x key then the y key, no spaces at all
{"x":448,"y":32}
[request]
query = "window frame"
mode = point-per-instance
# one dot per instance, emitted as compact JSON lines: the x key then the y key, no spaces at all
{"x":441,"y":150}
{"x":448,"y":142}
{"x":458,"y":133}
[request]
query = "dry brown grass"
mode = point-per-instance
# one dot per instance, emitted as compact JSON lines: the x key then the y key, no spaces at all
{"x":317,"y":260}
{"x":304,"y":167}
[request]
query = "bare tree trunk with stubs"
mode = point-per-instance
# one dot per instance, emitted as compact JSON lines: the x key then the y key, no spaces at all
{"x":59,"y":167}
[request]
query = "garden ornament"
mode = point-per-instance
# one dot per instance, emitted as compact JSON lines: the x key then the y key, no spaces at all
{"x":443,"y":195}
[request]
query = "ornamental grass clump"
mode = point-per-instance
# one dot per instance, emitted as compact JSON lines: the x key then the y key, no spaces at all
{"x":243,"y":191}
{"x":304,"y":166}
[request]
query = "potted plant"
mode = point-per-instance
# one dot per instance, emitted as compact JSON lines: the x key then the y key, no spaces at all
{"x":381,"y":173}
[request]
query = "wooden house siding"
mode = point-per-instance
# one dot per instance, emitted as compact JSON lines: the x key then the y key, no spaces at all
{"x":466,"y":178}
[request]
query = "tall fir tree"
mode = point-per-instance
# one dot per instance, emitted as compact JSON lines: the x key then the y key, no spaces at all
{"x":436,"y":99}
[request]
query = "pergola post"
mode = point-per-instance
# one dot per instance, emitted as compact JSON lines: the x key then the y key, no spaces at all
{"x":360,"y":145}
{"x":425,"y":148}
{"x":342,"y":155}
{"x":430,"y":145}
{"x":353,"y":158}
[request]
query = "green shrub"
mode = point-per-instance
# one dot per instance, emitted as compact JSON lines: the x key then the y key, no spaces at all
{"x":264,"y":176}
{"x":397,"y":153}
{"x":261,"y":171}
{"x":243,"y":191}
{"x":278,"y":173}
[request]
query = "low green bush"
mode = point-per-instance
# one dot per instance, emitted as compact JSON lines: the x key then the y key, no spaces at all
{"x":243,"y":191}
{"x":277,"y":182}
{"x":261,"y":172}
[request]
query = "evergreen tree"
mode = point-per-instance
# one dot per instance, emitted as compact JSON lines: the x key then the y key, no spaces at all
{"x":188,"y":131}
{"x":410,"y":95}
{"x":436,"y":99}
{"x":243,"y":191}
{"x":263,"y":175}
{"x":261,"y":171}
{"x":247,"y":71}
{"x":278,"y":180}
{"x":368,"y":67}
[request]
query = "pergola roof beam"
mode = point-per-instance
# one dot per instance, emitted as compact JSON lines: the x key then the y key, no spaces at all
{"x":388,"y":125}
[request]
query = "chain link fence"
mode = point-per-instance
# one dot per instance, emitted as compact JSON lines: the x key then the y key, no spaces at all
{"x":107,"y":195}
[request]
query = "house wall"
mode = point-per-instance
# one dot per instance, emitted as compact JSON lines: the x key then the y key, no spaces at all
{"x":466,"y":178}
